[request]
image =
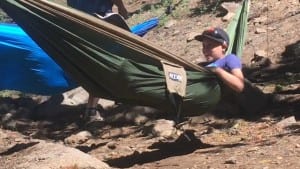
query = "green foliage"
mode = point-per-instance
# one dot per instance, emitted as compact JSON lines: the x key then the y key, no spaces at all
{"x":289,"y":78}
{"x":180,"y":9}
{"x":166,"y":3}
{"x":4,"y":17}
{"x":278,"y":88}
{"x":8,"y":93}
{"x":207,"y":7}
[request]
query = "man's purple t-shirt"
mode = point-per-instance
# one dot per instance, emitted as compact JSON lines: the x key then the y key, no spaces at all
{"x":228,"y":63}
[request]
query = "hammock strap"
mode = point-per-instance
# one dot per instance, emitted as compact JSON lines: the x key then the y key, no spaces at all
{"x":176,"y":80}
{"x":176,"y":101}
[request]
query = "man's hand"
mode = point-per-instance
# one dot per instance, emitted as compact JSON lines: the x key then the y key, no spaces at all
{"x":212,"y":67}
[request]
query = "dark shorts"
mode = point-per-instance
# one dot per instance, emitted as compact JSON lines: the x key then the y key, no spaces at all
{"x":100,"y":7}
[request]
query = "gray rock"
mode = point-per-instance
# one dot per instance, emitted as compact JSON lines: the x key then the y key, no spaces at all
{"x":286,"y":122}
{"x":78,"y":138}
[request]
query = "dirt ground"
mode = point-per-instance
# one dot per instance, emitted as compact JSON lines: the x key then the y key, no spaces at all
{"x":143,"y":138}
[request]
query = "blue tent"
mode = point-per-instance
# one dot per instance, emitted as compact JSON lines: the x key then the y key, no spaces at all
{"x":25,"y":67}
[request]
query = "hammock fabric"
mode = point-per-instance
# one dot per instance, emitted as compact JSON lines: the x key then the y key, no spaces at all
{"x":109,"y":62}
{"x":237,"y":29}
{"x":25,"y":67}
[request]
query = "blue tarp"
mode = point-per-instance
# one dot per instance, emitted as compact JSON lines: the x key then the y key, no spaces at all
{"x":25,"y":67}
{"x":142,"y":28}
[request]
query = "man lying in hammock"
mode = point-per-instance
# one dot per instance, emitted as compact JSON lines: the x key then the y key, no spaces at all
{"x":237,"y":93}
{"x":228,"y":68}
{"x":101,"y":9}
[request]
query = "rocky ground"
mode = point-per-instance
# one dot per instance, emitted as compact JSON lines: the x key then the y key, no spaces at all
{"x":42,"y":132}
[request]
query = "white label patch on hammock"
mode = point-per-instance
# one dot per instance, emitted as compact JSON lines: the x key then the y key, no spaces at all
{"x":176,"y":78}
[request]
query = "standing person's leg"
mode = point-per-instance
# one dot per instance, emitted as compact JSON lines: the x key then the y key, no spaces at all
{"x":92,"y":113}
{"x":92,"y":102}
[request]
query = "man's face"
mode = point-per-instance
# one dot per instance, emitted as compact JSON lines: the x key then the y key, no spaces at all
{"x":212,"y":49}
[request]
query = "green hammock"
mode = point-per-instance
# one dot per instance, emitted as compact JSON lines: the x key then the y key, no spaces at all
{"x":237,"y":29}
{"x":110,"y":62}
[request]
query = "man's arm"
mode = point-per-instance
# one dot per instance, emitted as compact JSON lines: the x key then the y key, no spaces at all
{"x":235,"y":79}
{"x":121,"y":8}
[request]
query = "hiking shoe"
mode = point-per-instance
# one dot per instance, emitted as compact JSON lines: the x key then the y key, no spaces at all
{"x":92,"y":115}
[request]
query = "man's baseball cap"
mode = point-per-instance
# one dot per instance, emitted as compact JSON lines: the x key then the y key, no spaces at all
{"x":217,"y":34}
